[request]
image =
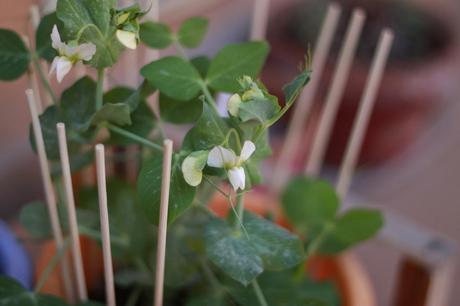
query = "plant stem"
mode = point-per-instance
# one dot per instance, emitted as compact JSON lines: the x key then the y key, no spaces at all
{"x":134,"y":137}
{"x":179,"y":49}
{"x":51,"y":265}
{"x":209,"y":97}
{"x":133,"y":297}
{"x":43,"y":78}
{"x":99,"y":88}
{"x":259,"y":294}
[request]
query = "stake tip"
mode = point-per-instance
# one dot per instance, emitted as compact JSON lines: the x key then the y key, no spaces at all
{"x":99,"y":147}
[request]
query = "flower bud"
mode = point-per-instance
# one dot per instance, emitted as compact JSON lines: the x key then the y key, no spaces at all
{"x":233,"y":104}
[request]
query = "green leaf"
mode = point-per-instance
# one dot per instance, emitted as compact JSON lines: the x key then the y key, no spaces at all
{"x":231,"y":251}
{"x":180,"y":112}
{"x":293,"y":89}
{"x":149,"y":189}
{"x":92,"y":18}
{"x":174,"y":77}
{"x":14,"y":56}
{"x":192,"y":32}
{"x":201,"y":63}
{"x":235,"y":61}
{"x":243,"y":255}
{"x":116,"y":113}
{"x":90,"y":303}
{"x":78,"y":104}
{"x":208,"y":132}
{"x":35,"y":219}
{"x":261,"y":110}
{"x":309,"y":203}
{"x":278,"y":248}
{"x":13,"y":294}
{"x":156,"y":35}
{"x":354,"y":226}
{"x":43,"y":36}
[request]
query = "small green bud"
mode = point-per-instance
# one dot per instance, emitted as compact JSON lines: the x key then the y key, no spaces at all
{"x":234,"y":104}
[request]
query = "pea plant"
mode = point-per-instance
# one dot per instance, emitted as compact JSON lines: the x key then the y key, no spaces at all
{"x":243,"y":259}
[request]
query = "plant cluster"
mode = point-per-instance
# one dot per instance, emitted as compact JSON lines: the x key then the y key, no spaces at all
{"x":244,"y":259}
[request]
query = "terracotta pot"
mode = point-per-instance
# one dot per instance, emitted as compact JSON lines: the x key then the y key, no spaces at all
{"x":346,"y":272}
{"x":411,"y":93}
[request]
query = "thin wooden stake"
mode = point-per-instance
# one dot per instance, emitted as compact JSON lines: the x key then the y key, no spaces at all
{"x":163,"y":222}
{"x":366,"y":105}
{"x":105,"y":230}
{"x":71,"y":214}
{"x":335,"y":94}
{"x":303,"y":106}
{"x":259,"y":19}
{"x":49,"y":194}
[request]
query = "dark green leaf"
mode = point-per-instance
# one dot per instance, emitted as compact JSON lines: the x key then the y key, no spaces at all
{"x":116,"y":113}
{"x":173,"y":76}
{"x":149,"y":189}
{"x":14,"y":56}
{"x":90,"y":303}
{"x":351,"y":228}
{"x":192,"y":32}
{"x":34,"y":218}
{"x":43,"y":36}
{"x":201,"y":63}
{"x":155,"y":35}
{"x":235,"y":61}
{"x":180,"y":112}
{"x":308,"y":203}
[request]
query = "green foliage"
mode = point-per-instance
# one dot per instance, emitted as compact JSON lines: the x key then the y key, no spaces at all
{"x":156,"y":35}
{"x":90,"y":21}
{"x":149,"y":189}
{"x":174,"y":77}
{"x":235,"y":61}
{"x":14,"y":56}
{"x":192,"y":32}
{"x":43,"y":37}
{"x":180,"y":112}
{"x":245,"y":254}
{"x":312,"y":207}
{"x":34,"y":218}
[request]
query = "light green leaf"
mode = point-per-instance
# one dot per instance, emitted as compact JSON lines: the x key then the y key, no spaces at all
{"x":174,"y":77}
{"x":293,"y":89}
{"x":309,"y":203}
{"x":92,"y":19}
{"x":116,"y":113}
{"x":354,"y":226}
{"x":155,"y":35}
{"x":34,"y":218}
{"x":192,"y":32}
{"x":180,"y":112}
{"x":43,"y":36}
{"x":235,"y":61}
{"x":261,"y":110}
{"x":149,"y":189}
{"x":14,"y":56}
{"x":231,"y":251}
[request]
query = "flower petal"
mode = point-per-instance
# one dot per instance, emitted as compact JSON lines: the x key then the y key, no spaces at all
{"x":63,"y":66}
{"x":86,"y":51}
{"x":234,"y":104}
{"x":192,"y":167}
{"x":127,"y":39}
{"x":56,"y":38}
{"x":248,"y":148}
{"x":221,"y":157}
{"x":54,"y":64}
{"x":237,"y":178}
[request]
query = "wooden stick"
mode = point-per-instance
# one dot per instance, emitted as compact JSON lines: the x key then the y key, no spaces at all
{"x":71,"y":214}
{"x":259,"y":19}
{"x":366,"y":105}
{"x":105,"y":230}
{"x":303,"y":106}
{"x":49,"y":193}
{"x":335,"y":94}
{"x":163,"y":222}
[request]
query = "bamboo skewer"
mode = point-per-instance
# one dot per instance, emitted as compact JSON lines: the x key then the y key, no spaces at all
{"x":105,"y":230}
{"x":49,"y":193}
{"x":303,"y":106}
{"x":366,"y":105}
{"x":335,"y":94}
{"x":163,"y":222}
{"x":71,"y":214}
{"x":259,"y":19}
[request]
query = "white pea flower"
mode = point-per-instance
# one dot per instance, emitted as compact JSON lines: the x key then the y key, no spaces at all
{"x":127,"y":39}
{"x":221,"y":157}
{"x":68,"y":54}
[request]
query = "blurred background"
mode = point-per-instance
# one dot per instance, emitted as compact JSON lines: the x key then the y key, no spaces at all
{"x":410,"y":161}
